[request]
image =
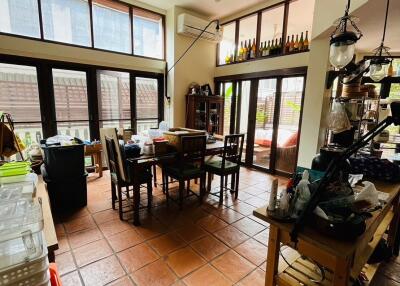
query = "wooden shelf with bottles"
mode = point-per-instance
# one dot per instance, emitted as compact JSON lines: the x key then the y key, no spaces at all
{"x":273,"y":48}
{"x":205,"y":113}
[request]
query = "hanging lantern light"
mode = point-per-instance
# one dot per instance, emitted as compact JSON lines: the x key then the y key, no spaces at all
{"x":342,"y":43}
{"x":382,"y":59}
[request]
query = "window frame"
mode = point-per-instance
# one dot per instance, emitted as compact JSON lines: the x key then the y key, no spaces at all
{"x":92,"y":47}
{"x":258,"y":13}
{"x":44,"y":69}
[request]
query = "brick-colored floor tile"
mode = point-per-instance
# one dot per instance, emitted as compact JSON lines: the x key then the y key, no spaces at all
{"x":184,"y":261}
{"x":136,"y":257}
{"x":102,"y":272}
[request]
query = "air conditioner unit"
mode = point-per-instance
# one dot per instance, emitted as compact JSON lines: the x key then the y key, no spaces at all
{"x":192,"y":26}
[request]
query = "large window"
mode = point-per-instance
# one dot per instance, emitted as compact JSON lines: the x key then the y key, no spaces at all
{"x":146,"y":103}
{"x":273,"y":25}
{"x":20,"y":17}
{"x":114,"y":99}
{"x":147,"y":34}
{"x":66,"y":21}
{"x":71,"y":103}
{"x":111,"y":26}
{"x":19,"y":96}
{"x":227,"y":45}
{"x":300,"y":18}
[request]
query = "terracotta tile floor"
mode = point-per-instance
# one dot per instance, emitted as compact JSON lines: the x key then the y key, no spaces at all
{"x":203,"y":244}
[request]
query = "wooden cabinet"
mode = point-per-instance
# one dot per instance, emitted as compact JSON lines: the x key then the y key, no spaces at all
{"x":205,"y":113}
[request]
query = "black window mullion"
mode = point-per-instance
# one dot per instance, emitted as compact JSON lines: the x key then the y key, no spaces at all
{"x":46,"y":98}
{"x":258,"y":33}
{"x":92,"y":93}
{"x":132,"y":83}
{"x":233,"y":108}
{"x":160,"y":85}
{"x":39,"y":2}
{"x":285,"y":24}
{"x":91,"y":22}
{"x":277,"y":108}
{"x":131,"y":29}
{"x":251,"y":125}
{"x":238,"y":105}
{"x":237,"y":27}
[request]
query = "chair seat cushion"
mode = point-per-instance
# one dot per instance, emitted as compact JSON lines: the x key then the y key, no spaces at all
{"x":185,"y":171}
{"x":215,"y":165}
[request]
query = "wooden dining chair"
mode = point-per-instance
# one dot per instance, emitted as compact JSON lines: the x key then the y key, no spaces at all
{"x":189,"y":165}
{"x":227,"y":164}
{"x":118,"y":182}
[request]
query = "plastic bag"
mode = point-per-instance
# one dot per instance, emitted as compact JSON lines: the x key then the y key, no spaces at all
{"x":368,"y":194}
{"x":338,"y":121}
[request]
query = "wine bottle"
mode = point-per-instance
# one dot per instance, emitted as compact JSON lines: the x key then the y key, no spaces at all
{"x":280,"y":46}
{"x":253,"y":50}
{"x":240,"y":57}
{"x":232,"y":57}
{"x":296,"y":44}
{"x":301,"y":43}
{"x":268,"y":49}
{"x":261,"y":49}
{"x":244,"y":51}
{"x":287,"y":45}
{"x":227,"y":58}
{"x":248,"y":50}
{"x":276,"y":50}
{"x":306,"y":43}
{"x":291,"y":46}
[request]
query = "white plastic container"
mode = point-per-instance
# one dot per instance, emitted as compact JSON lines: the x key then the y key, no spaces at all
{"x":21,"y":273}
{"x":21,"y":239}
{"x":17,"y":191}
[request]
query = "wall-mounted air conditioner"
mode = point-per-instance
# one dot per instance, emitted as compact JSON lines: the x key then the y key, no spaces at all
{"x":192,"y":26}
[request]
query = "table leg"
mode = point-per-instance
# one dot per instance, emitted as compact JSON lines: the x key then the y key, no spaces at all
{"x":341,"y":274}
{"x":272,"y":256}
{"x":100,"y":164}
{"x":393,"y":238}
{"x":136,"y":194}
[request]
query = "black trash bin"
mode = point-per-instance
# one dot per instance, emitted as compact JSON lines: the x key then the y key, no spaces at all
{"x":64,"y":172}
{"x":64,"y":161}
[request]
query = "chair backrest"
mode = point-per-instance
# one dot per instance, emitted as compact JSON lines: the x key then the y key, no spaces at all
{"x":112,"y":133}
{"x":113,"y":163}
{"x":233,"y":148}
{"x":193,"y":150}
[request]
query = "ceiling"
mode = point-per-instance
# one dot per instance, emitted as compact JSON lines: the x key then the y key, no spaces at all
{"x":371,"y":20}
{"x":211,"y":8}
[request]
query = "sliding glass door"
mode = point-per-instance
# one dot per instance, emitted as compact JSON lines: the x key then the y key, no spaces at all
{"x":268,"y":112}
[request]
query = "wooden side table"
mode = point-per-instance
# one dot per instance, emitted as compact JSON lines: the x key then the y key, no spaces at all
{"x":344,"y":259}
{"x":95,"y":151}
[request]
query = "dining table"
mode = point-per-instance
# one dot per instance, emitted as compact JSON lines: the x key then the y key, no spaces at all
{"x":137,"y":165}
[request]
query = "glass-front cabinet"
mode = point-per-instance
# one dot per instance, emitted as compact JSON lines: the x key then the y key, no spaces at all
{"x":205,"y":113}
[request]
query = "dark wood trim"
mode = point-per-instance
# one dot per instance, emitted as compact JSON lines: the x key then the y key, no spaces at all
{"x":237,"y":29}
{"x":285,"y":25}
{"x":233,"y":108}
{"x":39,"y":3}
{"x":264,"y":74}
{"x":301,"y":118}
{"x":131,"y":28}
{"x":239,"y":106}
{"x":258,"y":33}
{"x":132,"y":82}
{"x":160,"y":85}
{"x":275,"y":125}
{"x":69,"y":65}
{"x":263,"y":58}
{"x":91,"y":23}
{"x":251,"y":124}
{"x":93,"y":104}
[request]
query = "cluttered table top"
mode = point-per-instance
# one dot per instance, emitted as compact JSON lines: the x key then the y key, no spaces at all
{"x":330,"y":244}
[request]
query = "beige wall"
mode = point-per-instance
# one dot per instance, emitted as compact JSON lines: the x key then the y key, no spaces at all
{"x":37,"y":49}
{"x":289,"y":61}
{"x":197,"y":66}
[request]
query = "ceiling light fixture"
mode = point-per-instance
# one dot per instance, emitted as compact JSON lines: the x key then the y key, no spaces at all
{"x":381,"y":60}
{"x":342,"y":43}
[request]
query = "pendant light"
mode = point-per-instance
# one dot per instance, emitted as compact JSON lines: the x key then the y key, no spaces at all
{"x":380,"y":63}
{"x":342,"y":43}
